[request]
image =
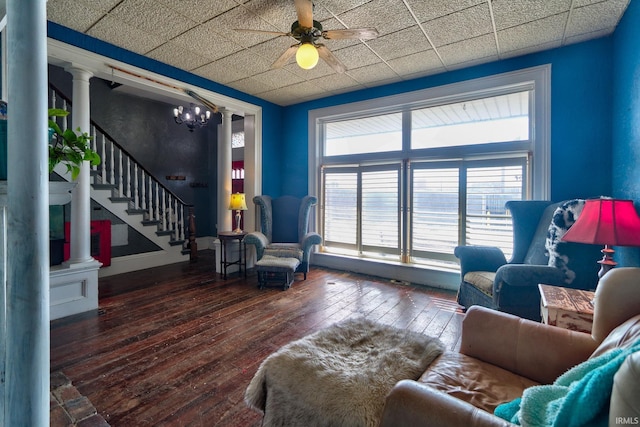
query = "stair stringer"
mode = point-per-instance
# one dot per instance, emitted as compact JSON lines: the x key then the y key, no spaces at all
{"x":169,"y":252}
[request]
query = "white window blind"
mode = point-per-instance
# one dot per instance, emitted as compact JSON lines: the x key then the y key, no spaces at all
{"x":381,"y":211}
{"x":340,"y":208}
{"x":435,"y":211}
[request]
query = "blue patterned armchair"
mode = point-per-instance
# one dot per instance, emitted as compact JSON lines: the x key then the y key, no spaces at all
{"x":487,"y":279}
{"x":285,"y":229}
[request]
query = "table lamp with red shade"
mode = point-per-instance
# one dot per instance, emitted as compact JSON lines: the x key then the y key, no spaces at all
{"x":608,"y":222}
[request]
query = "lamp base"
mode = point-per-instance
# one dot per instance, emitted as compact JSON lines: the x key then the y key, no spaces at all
{"x":607,"y":262}
{"x":238,"y":222}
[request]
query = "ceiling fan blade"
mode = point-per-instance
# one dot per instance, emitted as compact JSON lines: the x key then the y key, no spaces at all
{"x":355,"y":33}
{"x":248,"y":30}
{"x":304,"y":9}
{"x":284,"y":58}
{"x":330,"y":59}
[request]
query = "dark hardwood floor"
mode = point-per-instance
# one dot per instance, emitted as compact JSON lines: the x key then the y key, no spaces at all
{"x":177,"y":345}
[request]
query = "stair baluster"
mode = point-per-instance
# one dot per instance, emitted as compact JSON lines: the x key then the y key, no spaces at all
{"x":127,"y":179}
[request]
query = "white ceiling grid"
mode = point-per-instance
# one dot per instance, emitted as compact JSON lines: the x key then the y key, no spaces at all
{"x":417,"y":37}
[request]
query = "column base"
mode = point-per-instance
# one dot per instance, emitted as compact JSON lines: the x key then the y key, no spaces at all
{"x":73,"y":288}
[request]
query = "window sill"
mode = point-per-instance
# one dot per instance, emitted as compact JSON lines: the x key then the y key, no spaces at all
{"x":421,"y":274}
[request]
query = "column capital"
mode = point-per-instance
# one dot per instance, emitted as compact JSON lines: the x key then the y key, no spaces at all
{"x":226,"y":113}
{"x":79,"y":73}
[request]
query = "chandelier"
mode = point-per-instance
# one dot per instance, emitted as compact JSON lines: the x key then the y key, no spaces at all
{"x":193,"y":116}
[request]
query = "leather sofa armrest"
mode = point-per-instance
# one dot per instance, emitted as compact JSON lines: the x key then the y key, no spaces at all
{"x":479,"y":258}
{"x":530,"y":349}
{"x":626,"y":389}
{"x":413,"y":404}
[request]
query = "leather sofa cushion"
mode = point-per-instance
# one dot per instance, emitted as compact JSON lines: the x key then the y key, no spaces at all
{"x":481,"y":384}
{"x":623,"y":336}
{"x":483,"y":280}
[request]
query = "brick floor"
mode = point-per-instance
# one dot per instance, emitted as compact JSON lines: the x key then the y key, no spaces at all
{"x":69,"y":408}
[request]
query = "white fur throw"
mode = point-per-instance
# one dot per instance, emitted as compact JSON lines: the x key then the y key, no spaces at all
{"x":338,"y":376}
{"x":564,"y":217}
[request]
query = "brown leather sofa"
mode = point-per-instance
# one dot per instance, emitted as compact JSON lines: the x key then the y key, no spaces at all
{"x":500,"y":355}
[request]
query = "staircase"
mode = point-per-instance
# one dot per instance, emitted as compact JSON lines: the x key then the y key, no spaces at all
{"x":126,"y":189}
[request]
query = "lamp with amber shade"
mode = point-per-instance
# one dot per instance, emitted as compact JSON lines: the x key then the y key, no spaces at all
{"x":238,"y":203}
{"x":608,"y":222}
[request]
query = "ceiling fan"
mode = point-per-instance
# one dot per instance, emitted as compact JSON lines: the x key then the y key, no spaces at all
{"x":307,"y":32}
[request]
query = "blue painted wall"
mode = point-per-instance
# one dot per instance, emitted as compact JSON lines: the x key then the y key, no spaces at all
{"x":581,"y":122}
{"x":626,"y":117}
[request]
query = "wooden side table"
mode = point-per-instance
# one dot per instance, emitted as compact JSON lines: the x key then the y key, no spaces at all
{"x":229,"y":236}
{"x":566,"y":308}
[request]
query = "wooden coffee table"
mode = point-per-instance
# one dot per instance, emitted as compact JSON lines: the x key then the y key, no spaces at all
{"x":566,"y":308}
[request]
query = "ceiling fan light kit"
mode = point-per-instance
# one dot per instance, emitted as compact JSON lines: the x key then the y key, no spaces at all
{"x":307,"y":32}
{"x":307,"y":56}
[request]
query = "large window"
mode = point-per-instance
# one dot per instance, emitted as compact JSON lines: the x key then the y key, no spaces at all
{"x":409,"y":182}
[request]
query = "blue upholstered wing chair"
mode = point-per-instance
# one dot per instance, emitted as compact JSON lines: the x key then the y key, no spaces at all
{"x":487,"y":279}
{"x":285,"y":229}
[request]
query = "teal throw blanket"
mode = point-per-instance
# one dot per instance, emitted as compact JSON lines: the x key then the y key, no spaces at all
{"x":579,"y":397}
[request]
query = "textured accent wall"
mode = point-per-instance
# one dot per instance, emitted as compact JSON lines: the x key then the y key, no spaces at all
{"x":146,"y":129}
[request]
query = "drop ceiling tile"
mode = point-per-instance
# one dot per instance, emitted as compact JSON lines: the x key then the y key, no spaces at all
{"x":337,"y":83}
{"x":272,"y":49}
{"x":241,"y":18}
{"x":250,"y":85}
{"x":611,"y":3}
{"x":205,"y":41}
{"x":588,"y":36}
{"x":320,"y":70}
{"x":428,"y":10}
{"x":385,"y":16}
{"x":234,"y":67}
{"x":75,"y":15}
{"x":356,"y":56}
{"x":401,"y":43}
{"x":152,"y":18}
{"x":531,"y":49}
{"x":468,"y":50}
{"x":102,"y":5}
{"x":294,"y":94}
{"x":171,"y":54}
{"x":424,"y":73}
{"x":509,"y":13}
{"x":278,"y":13}
{"x":595,"y":17}
{"x":468,"y":23}
{"x":199,"y":10}
{"x":121,"y":34}
{"x":274,"y":79}
{"x":337,"y":7}
{"x":473,"y":62}
{"x":373,"y":75}
{"x":426,"y":61}
{"x":533,"y":33}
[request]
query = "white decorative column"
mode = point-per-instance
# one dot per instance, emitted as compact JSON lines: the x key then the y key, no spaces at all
{"x":224,"y":173}
{"x":80,"y":244}
{"x":224,"y":184}
{"x":26,"y":384}
{"x":74,"y":284}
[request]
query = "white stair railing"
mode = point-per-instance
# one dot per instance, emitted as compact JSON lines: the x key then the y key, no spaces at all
{"x":130,"y":180}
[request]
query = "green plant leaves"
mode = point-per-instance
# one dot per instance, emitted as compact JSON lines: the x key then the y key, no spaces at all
{"x":68,"y":147}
